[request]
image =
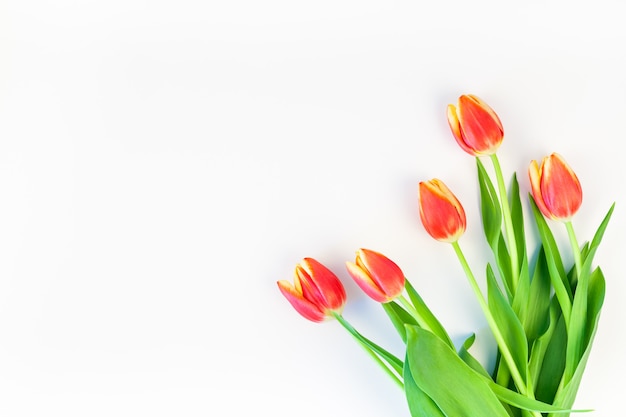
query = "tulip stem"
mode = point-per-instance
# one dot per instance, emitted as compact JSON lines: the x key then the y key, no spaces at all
{"x":365,"y":343}
{"x":575,"y":248}
{"x":508,"y":223}
{"x":504,"y":349}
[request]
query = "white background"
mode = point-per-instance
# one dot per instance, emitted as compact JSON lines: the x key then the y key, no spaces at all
{"x":164,"y":163}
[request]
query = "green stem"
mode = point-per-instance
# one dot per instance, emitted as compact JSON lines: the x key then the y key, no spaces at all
{"x":575,"y":247}
{"x":504,"y":349}
{"x":367,"y":349}
{"x":508,"y":223}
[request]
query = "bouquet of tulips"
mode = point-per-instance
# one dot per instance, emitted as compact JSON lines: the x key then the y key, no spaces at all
{"x":543,"y":311}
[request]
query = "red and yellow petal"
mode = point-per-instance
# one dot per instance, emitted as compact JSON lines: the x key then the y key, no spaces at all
{"x":534,"y":176}
{"x":441,"y":213}
{"x":366,"y":283}
{"x":560,"y":188}
{"x":383,"y":271}
{"x":307,"y":309}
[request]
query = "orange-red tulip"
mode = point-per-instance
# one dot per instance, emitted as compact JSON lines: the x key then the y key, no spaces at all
{"x":316,"y":292}
{"x":555,"y":188}
{"x":475,"y":126}
{"x":441,"y":212}
{"x":378,"y":276}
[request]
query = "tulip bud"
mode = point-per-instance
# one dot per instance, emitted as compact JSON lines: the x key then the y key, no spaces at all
{"x":475,"y":126}
{"x":441,"y":212}
{"x":555,"y":188}
{"x":316,"y":292}
{"x":378,"y":276}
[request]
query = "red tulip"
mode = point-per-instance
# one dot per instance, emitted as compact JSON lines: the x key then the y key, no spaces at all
{"x":316,"y":292}
{"x":475,"y":126}
{"x":555,"y":188}
{"x":378,"y":276}
{"x":441,"y":212}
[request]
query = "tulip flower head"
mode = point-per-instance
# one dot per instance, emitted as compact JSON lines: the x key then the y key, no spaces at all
{"x":378,"y":276}
{"x":475,"y":126}
{"x":316,"y":292}
{"x":441,"y":212}
{"x":555,"y":187}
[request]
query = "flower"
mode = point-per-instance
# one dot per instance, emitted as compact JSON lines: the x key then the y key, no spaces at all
{"x":441,"y":212}
{"x":475,"y":126}
{"x":316,"y":292}
{"x":555,"y":187}
{"x":378,"y":276}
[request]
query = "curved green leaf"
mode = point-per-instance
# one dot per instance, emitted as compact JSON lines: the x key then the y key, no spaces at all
{"x":457,"y":390}
{"x":399,"y":318}
{"x":420,"y":404}
{"x":566,"y":393}
{"x":558,"y":277}
{"x":508,"y":323}
{"x":522,"y":402}
{"x":393,"y":361}
{"x":424,"y":312}
{"x":517,"y":218}
{"x":469,"y":359}
{"x":537,"y":317}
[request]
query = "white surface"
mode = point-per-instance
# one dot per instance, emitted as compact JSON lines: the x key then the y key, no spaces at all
{"x":163,"y":163}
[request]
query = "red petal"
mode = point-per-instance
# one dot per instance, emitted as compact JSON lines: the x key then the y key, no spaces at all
{"x":386,"y":273}
{"x":534,"y":175}
{"x":441,"y":213}
{"x":364,"y":281}
{"x":307,"y":309}
{"x":560,"y":188}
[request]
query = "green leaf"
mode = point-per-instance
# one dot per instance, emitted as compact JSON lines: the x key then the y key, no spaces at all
{"x":437,"y":370}
{"x":517,"y":218}
{"x":597,"y":290}
{"x":576,"y":343}
{"x":399,"y":317}
{"x":558,"y":277}
{"x":503,"y":260}
{"x":540,"y":345}
{"x":566,"y":394}
{"x":429,"y":318}
{"x":597,"y":237}
{"x":508,"y":323}
{"x":489,"y":206}
{"x":393,"y":361}
{"x":522,"y":294}
{"x":553,"y":363}
{"x":538,"y":308}
{"x":420,"y":404}
{"x":469,"y":359}
{"x":520,"y":401}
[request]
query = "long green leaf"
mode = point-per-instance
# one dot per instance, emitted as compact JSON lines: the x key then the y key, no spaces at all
{"x":520,"y":401}
{"x":491,"y":214}
{"x":399,"y":318}
{"x":508,"y":323}
{"x":469,"y":359}
{"x":522,"y":293}
{"x":539,"y":299}
{"x":489,"y":206}
{"x":438,"y":371}
{"x":576,"y":343}
{"x":390,"y":358}
{"x":566,"y":394}
{"x":424,"y":312}
{"x":558,"y":277}
{"x":553,"y":363}
{"x":420,"y":404}
{"x":517,"y":218}
{"x":503,"y":260}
